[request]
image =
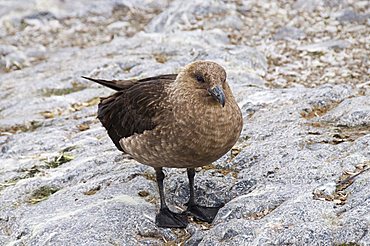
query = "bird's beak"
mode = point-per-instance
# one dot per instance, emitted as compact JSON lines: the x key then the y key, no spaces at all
{"x":218,"y":94}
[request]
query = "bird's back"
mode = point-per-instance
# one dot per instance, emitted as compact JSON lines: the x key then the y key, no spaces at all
{"x":132,"y":109}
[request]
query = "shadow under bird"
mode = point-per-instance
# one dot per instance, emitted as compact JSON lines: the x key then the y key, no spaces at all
{"x":184,"y":120}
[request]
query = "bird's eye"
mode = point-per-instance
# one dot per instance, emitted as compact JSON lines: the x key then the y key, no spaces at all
{"x":199,"y":78}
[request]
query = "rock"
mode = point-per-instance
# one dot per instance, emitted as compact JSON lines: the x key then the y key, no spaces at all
{"x":43,"y":16}
{"x":299,"y":174}
{"x":323,"y":46}
{"x":189,"y":15}
{"x":307,"y":5}
{"x":12,"y":58}
{"x":311,"y":5}
{"x":353,"y":112}
{"x":326,"y":189}
{"x":118,"y":25}
{"x":349,"y":15}
{"x":289,"y":33}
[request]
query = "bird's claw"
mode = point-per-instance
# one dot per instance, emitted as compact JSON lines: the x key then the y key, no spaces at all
{"x":168,"y":219}
{"x":202,"y":213}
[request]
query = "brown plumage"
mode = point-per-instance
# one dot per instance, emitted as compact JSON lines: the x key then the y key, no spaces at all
{"x":184,"y":121}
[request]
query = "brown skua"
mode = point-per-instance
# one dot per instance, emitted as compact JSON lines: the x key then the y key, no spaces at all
{"x":184,"y":120}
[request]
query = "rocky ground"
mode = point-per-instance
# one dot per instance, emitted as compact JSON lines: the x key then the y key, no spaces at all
{"x":299,"y":69}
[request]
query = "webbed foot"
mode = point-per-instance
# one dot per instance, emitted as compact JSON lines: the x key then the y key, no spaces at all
{"x":202,"y":213}
{"x":168,"y":219}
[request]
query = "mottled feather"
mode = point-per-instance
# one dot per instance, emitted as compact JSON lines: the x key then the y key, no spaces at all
{"x":131,"y":110}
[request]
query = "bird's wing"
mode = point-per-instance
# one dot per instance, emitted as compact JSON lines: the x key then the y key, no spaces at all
{"x":132,"y":109}
{"x":125,"y":84}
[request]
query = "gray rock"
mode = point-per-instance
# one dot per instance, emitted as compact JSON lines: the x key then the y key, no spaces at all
{"x":349,"y":15}
{"x":311,"y":5}
{"x":289,"y":33}
{"x":307,"y":5}
{"x":353,"y":112}
{"x":13,"y":61}
{"x":196,"y":14}
{"x":298,"y":175}
{"x":323,"y":46}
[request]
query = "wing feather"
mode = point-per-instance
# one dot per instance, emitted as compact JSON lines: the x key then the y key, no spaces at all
{"x":119,"y":85}
{"x":133,"y":108}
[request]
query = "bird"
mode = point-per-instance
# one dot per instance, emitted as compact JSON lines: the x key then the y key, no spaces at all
{"x":185,"y":120}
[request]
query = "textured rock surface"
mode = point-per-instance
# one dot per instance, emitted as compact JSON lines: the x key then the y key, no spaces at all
{"x":298,"y":176}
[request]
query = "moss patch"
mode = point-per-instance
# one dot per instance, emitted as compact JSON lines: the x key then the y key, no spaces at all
{"x":347,"y":244}
{"x":61,"y":158}
{"x":41,"y":194}
{"x":26,"y":173}
{"x":27,"y":127}
{"x":340,"y":195}
{"x":9,"y":182}
{"x":48,"y":92}
{"x":318,"y":110}
{"x":337,"y":134}
{"x":91,"y":102}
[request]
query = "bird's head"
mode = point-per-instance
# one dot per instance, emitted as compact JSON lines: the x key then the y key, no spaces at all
{"x":207,"y":76}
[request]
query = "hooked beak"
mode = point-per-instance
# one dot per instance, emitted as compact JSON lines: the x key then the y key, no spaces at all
{"x":218,"y":94}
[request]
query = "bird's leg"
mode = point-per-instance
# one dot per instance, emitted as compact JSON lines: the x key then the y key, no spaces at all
{"x":191,"y":174}
{"x":165,"y":217}
{"x":202,"y":213}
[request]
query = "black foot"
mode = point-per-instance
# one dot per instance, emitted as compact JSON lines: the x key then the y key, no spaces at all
{"x":206,"y":214}
{"x":169,"y":219}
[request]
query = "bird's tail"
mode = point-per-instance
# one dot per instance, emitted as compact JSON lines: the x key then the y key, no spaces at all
{"x":108,"y":83}
{"x":120,"y":85}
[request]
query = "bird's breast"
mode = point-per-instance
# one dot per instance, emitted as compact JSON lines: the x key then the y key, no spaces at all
{"x":205,"y":134}
{"x":190,"y":135}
